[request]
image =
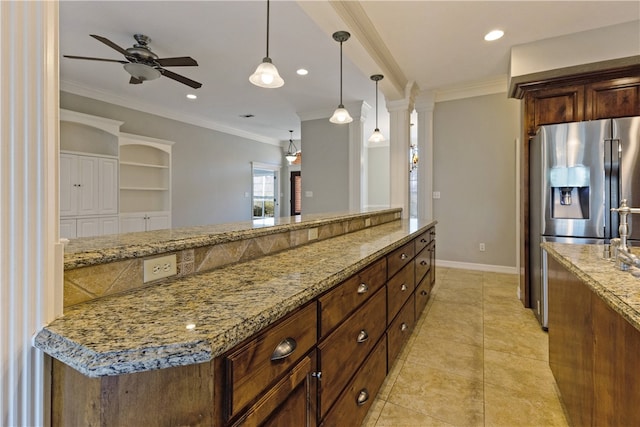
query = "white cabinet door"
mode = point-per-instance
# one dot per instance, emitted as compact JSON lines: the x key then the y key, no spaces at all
{"x":158,"y":221}
{"x":89,"y":185}
{"x":132,"y":222}
{"x":68,"y":185}
{"x":109,"y":225}
{"x":108,"y":186}
{"x":68,"y":229}
{"x":88,"y":227}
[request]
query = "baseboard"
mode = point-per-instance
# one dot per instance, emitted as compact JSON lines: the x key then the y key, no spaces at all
{"x":478,"y":267}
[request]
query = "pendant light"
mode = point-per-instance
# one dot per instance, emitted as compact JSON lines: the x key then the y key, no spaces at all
{"x":266,"y":74}
{"x":341,"y":115}
{"x":377,"y":136}
{"x":292,"y":152}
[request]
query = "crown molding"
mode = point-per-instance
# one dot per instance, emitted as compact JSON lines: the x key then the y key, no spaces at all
{"x":134,"y":104}
{"x":471,"y":89}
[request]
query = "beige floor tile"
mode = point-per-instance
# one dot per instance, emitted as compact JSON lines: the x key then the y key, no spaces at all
{"x":507,"y":408}
{"x":515,"y":372}
{"x":448,"y":397}
{"x":520,"y":341}
{"x":371,"y":419}
{"x":393,"y":415}
{"x":460,"y":359}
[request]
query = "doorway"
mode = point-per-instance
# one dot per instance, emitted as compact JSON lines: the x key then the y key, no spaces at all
{"x":264,"y":199}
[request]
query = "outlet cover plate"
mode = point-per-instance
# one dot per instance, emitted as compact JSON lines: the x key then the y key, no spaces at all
{"x":159,"y":268}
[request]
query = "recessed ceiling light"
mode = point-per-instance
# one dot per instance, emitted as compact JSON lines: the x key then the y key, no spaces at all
{"x":246,"y":116}
{"x":302,"y":72}
{"x":493,"y":35}
{"x":191,"y":96}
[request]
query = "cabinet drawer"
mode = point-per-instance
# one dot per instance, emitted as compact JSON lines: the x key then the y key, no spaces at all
{"x":400,"y":329}
{"x":350,"y":294}
{"x":400,"y":257}
{"x":250,"y":368}
{"x":399,"y":288}
{"x":345,"y":349}
{"x":423,"y":263}
{"x":423,"y":292}
{"x":424,"y":239}
{"x":356,"y":400}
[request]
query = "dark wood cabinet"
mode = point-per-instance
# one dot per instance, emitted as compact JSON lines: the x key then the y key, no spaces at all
{"x":594,"y":354}
{"x":562,"y":99}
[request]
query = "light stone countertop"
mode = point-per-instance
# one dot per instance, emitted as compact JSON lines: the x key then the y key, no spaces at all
{"x":82,"y":252}
{"x":619,"y":289}
{"x":146,"y":328}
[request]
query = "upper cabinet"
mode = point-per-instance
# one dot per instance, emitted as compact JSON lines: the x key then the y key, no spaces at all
{"x":145,"y":177}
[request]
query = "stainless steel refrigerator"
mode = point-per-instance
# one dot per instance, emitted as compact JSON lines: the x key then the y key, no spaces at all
{"x":578,"y":172}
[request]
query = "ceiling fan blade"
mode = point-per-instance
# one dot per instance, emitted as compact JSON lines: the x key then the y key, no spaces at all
{"x":181,"y":61}
{"x":95,"y":59}
{"x":134,"y":81}
{"x":179,"y":78}
{"x":111,"y":44}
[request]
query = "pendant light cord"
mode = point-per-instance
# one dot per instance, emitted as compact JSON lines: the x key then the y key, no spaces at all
{"x":341,"y":74}
{"x":376,"y":104}
{"x":267,"y":28}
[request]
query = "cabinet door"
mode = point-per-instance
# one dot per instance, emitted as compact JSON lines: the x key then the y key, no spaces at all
{"x":108,"y":186}
{"x":613,"y":98}
{"x":132,"y":222}
{"x":109,"y":225}
{"x":551,"y":106}
{"x":68,"y":185}
{"x":89,"y":185}
{"x":158,"y":221}
{"x":88,"y":227}
{"x":68,"y":228}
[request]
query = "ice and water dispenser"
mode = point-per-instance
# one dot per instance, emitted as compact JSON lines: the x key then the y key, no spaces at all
{"x":569,"y":192}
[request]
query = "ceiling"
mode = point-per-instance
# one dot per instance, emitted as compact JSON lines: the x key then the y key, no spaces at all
{"x":436,"y":44}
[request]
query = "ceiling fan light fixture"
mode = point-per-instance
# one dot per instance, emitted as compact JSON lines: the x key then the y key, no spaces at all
{"x":142,"y":72}
{"x":266,"y":74}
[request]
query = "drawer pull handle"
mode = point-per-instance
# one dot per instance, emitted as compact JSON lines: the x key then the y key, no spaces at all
{"x":404,"y":327}
{"x":423,"y":262}
{"x":283,"y":350}
{"x":363,"y":396}
{"x":403,"y":256}
{"x":403,"y":287}
{"x":362,"y":336}
{"x":423,"y":241}
{"x":363,"y":288}
{"x":423,"y":292}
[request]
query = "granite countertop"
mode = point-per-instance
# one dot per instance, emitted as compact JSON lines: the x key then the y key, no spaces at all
{"x":196,"y":318}
{"x":82,"y":252}
{"x":619,"y":289}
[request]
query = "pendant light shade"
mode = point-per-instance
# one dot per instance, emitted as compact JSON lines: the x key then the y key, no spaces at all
{"x":377,"y":136}
{"x":341,"y":115}
{"x":266,"y":74}
{"x":292,"y":152}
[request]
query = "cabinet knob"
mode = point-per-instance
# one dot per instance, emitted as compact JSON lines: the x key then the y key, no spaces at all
{"x":423,"y":240}
{"x":283,"y":350}
{"x":423,"y":262}
{"x":423,"y":292}
{"x":403,"y":256}
{"x":403,"y":287}
{"x":363,"y":396}
{"x":317,"y":375}
{"x":363,"y":288}
{"x":362,"y":336}
{"x":404,"y":327}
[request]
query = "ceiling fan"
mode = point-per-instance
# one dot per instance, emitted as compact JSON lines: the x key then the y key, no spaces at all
{"x":143,"y":64}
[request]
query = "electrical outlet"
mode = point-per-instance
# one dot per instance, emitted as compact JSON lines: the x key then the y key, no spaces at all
{"x":482,"y":248}
{"x":159,"y":268}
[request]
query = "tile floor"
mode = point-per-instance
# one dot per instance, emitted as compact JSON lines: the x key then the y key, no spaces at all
{"x":476,"y":358}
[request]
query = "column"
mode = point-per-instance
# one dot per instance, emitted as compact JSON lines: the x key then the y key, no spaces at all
{"x":30,"y":254}
{"x":424,"y":109}
{"x":357,"y":157}
{"x":399,"y":143}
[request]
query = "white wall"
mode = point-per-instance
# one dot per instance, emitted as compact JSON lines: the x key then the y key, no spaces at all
{"x":211,"y":169}
{"x":474,"y":170}
{"x":378,"y":174}
{"x":602,"y":44}
{"x":325,"y":166}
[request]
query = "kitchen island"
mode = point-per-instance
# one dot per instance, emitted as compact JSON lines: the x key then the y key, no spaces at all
{"x":594,"y":335}
{"x":169,"y":353}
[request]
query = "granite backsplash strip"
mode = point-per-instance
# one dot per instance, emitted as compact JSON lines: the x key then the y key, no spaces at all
{"x":105,"y":265}
{"x":148,"y":328}
{"x":619,"y":289}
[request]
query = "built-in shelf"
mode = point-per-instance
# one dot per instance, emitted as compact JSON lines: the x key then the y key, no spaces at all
{"x":144,"y":188}
{"x":143,"y":165}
